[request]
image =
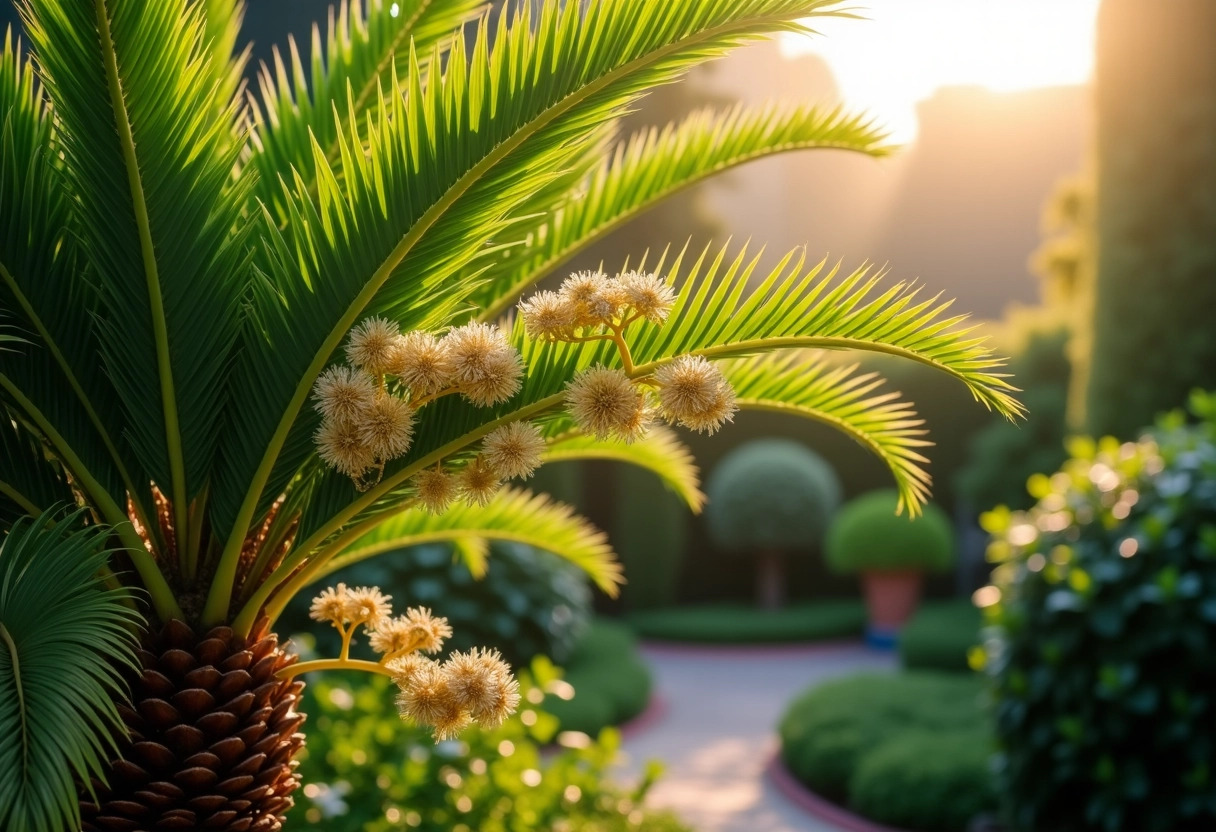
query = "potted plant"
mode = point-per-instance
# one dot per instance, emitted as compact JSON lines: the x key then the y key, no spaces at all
{"x":768,"y":498}
{"x":892,"y":553}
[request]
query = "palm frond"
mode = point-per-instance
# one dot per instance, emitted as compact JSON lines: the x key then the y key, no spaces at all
{"x":660,"y":452}
{"x":850,"y":402}
{"x":29,"y":483}
{"x":654,"y":164}
{"x":222,"y":26}
{"x":514,"y":515}
{"x":64,"y":639}
{"x":446,"y":163}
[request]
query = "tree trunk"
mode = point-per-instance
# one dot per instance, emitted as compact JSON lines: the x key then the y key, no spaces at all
{"x":213,"y":737}
{"x":770,"y":580}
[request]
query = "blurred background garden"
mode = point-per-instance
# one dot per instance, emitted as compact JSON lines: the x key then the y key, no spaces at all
{"x":1037,"y":650}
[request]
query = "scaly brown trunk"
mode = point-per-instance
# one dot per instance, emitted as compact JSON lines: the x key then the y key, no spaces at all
{"x":213,"y":737}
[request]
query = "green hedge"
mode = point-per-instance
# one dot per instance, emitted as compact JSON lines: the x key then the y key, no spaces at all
{"x":890,"y":746}
{"x":611,"y":681}
{"x":867,"y":534}
{"x":740,"y":624}
{"x":940,"y":635}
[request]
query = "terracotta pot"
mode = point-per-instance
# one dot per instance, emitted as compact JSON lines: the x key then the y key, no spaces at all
{"x":892,"y":595}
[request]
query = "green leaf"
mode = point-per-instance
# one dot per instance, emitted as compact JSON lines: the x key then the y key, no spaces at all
{"x":513,"y":515}
{"x":29,"y":483}
{"x":654,"y":164}
{"x":64,"y":639}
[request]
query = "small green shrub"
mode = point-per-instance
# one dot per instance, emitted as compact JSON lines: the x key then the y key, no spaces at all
{"x":868,"y":534}
{"x":770,"y":494}
{"x":935,"y":782}
{"x":940,"y":636}
{"x":611,"y":681}
{"x":368,"y":771}
{"x":1105,"y":628}
{"x":738,"y":624}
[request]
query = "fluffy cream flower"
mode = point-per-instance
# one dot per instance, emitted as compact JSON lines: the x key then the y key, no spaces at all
{"x":340,"y":444}
{"x":386,"y":426}
{"x":694,"y":393}
{"x":482,"y":684}
{"x":594,"y":299}
{"x":514,"y":449}
{"x":372,"y":345}
{"x":330,"y":606}
{"x":341,"y":392}
{"x":435,"y":489}
{"x":548,"y":315}
{"x":405,"y":668}
{"x":484,"y":364}
{"x":426,"y":698}
{"x":479,"y":482}
{"x":367,"y":605}
{"x":648,"y":295}
{"x":418,"y":629}
{"x":422,"y":363}
{"x":604,"y":402}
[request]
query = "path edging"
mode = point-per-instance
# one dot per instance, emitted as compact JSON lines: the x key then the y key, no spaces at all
{"x":797,"y":793}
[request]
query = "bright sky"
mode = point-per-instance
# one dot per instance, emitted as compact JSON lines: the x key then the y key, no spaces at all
{"x":909,"y":48}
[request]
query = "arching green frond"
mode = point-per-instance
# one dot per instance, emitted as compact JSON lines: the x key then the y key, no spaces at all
{"x":157,"y":217}
{"x":519,"y":516}
{"x":446,"y":163}
{"x":850,"y":402}
{"x":64,"y":639}
{"x":359,"y":54}
{"x":222,"y":26}
{"x":660,"y":452}
{"x":654,"y":164}
{"x":29,"y":484}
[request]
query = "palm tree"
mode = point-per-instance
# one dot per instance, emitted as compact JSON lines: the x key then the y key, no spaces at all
{"x":184,"y":262}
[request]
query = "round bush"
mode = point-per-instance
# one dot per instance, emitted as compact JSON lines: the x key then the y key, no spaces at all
{"x":1105,"y":628}
{"x":611,"y":680}
{"x":770,"y":494}
{"x":868,"y":534}
{"x":940,"y":636}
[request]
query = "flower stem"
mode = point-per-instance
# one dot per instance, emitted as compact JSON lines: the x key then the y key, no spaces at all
{"x":333,"y":664}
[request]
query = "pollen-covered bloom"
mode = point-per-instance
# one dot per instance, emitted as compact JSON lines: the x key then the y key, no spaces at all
{"x":386,"y":426}
{"x":427,"y":698}
{"x":647,"y":295}
{"x":604,"y":402}
{"x":695,"y":393}
{"x":418,"y":629}
{"x":485,"y":366}
{"x":405,"y":668}
{"x":548,"y":315}
{"x":340,"y":444}
{"x":330,"y":606}
{"x":479,"y":481}
{"x":422,"y":363}
{"x":481,"y":682}
{"x":514,"y":449}
{"x":372,"y":345}
{"x":342,"y":392}
{"x":593,"y":298}
{"x":435,"y":489}
{"x":368,"y":605}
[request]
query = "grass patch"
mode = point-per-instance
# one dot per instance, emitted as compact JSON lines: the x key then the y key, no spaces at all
{"x":939,"y":636}
{"x":742,"y":624}
{"x":611,"y":681}
{"x":909,"y":749}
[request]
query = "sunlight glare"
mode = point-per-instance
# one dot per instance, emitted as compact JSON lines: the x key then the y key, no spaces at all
{"x":906,"y":50}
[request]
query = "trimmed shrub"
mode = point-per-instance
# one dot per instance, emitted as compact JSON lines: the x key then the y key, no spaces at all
{"x":611,"y":680}
{"x":738,"y":624}
{"x":868,"y":534}
{"x":940,"y":636}
{"x":1105,"y":628}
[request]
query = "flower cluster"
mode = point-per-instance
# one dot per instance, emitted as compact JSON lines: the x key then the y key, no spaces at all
{"x":369,"y":407}
{"x":622,"y":403}
{"x":448,"y":696}
{"x":510,"y":450}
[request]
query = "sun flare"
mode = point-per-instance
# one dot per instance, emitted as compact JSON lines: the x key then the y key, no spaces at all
{"x":906,"y":50}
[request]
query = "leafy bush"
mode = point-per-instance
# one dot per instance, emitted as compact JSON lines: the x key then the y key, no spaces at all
{"x":611,"y":681}
{"x":1105,"y":631}
{"x":828,"y":732}
{"x":868,"y":534}
{"x":528,"y":603}
{"x":367,"y":771}
{"x":940,"y":636}
{"x":770,"y":494}
{"x":738,"y":624}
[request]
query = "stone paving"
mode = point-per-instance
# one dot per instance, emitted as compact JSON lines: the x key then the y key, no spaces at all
{"x":718,"y":729}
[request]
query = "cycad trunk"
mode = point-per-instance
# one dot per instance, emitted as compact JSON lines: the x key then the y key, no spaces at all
{"x":213,"y":737}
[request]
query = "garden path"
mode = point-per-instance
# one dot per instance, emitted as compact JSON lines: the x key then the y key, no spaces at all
{"x":717,"y":731}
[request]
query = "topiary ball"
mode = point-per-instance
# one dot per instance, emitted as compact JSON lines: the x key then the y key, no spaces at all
{"x":772,"y":494}
{"x":867,"y":534}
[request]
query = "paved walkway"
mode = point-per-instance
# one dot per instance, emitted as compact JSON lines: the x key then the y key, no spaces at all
{"x":719,"y":730}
